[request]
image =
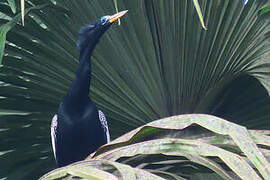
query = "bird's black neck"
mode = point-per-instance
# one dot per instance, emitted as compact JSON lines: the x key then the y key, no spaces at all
{"x":78,"y":93}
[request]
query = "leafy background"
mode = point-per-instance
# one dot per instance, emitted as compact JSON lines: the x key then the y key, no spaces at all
{"x":158,"y":63}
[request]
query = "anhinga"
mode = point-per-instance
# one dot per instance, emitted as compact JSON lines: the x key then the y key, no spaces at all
{"x":79,"y":128}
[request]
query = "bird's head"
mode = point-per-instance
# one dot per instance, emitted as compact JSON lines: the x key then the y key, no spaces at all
{"x":92,"y":32}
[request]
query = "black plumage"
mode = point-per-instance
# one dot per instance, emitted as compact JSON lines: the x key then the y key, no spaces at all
{"x":79,"y":128}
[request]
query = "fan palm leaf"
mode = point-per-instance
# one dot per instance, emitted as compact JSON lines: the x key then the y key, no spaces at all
{"x":158,"y":63}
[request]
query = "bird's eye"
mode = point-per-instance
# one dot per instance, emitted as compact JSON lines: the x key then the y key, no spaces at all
{"x":103,"y":21}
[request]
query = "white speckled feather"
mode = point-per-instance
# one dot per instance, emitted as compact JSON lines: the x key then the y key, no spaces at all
{"x":104,"y":124}
{"x":53,"y":133}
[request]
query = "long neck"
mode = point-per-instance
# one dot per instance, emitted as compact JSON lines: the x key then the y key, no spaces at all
{"x":78,"y":93}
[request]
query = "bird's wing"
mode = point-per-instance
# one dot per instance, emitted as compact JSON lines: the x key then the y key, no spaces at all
{"x":53,"y":133}
{"x":104,"y":124}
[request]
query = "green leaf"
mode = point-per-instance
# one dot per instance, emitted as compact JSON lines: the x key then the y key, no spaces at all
{"x":22,"y":10}
{"x":125,"y":171}
{"x":89,"y":173}
{"x":94,"y":170}
{"x":12,"y":5}
{"x":239,"y":135}
{"x":56,"y":174}
{"x":210,"y":164}
{"x":175,"y":144}
{"x":198,"y":9}
{"x":4,"y":29}
{"x":265,"y":10}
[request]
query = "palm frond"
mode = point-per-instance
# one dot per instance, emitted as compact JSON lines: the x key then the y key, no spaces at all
{"x":158,"y":63}
{"x":12,"y":5}
{"x":172,"y":141}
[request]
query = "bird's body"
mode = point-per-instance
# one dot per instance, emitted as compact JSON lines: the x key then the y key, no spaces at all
{"x":79,"y":128}
{"x":79,"y":134}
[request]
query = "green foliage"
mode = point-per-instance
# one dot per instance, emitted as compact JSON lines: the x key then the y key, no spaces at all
{"x":198,"y":9}
{"x":186,"y":151}
{"x":265,"y":9}
{"x":158,"y":63}
{"x":12,"y":5}
{"x":8,"y":26}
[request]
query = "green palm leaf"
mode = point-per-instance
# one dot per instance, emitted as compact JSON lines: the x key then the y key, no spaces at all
{"x":176,"y":145}
{"x":12,"y":5}
{"x":158,"y":63}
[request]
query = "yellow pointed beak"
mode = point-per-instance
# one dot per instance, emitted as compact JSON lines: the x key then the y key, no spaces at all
{"x":117,"y":16}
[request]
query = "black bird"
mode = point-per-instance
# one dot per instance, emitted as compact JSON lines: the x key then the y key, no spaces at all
{"x":79,"y":128}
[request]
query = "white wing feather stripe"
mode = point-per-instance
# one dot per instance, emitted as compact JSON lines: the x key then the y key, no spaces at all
{"x":53,"y":133}
{"x":104,"y":124}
